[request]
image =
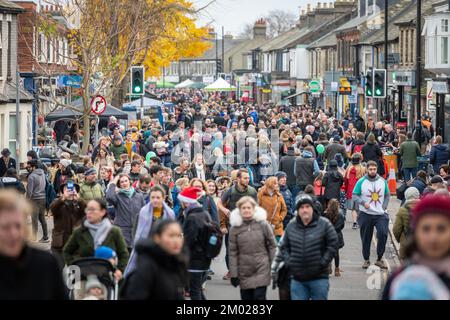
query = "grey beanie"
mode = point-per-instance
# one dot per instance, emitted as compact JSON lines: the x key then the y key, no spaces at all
{"x":412,"y":193}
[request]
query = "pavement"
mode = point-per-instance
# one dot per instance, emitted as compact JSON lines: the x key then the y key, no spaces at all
{"x":355,"y":283}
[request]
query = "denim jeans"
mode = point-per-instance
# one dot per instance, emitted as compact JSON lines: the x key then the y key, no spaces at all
{"x":310,"y":290}
{"x":367,"y":222}
{"x":409,"y":173}
{"x":196,"y":280}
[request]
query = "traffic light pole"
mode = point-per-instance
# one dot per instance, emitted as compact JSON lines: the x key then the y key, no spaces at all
{"x":386,"y":100}
{"x":418,"y":56}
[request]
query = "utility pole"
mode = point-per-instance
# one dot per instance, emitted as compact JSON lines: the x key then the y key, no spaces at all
{"x":217,"y":56}
{"x":17,"y":120}
{"x":223,"y":49}
{"x":418,"y":56}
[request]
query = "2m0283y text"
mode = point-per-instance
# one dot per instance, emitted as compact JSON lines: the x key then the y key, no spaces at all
{"x":245,"y":309}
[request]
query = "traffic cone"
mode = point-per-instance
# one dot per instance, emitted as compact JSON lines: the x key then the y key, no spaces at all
{"x":392,"y":182}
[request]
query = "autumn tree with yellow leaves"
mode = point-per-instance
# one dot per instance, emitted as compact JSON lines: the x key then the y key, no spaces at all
{"x":109,"y":37}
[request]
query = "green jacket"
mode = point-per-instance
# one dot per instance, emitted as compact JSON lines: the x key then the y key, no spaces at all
{"x":401,"y":229}
{"x":118,"y":151}
{"x":91,"y":191}
{"x":409,"y":151}
{"x":81,"y":245}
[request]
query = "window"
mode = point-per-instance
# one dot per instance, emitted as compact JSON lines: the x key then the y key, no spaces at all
{"x":444,"y":50}
{"x":12,"y":133}
{"x":444,"y":25}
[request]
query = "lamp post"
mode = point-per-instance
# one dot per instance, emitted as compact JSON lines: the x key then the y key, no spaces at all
{"x":418,"y":56}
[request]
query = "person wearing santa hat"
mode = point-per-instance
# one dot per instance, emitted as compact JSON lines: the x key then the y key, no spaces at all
{"x":195,"y":222}
{"x":429,"y":248}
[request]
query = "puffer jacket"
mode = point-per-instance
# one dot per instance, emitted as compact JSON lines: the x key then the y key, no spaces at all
{"x":275,"y":207}
{"x":332,"y":181}
{"x":12,"y":183}
{"x":371,"y":151}
{"x":251,"y":249}
{"x":308,"y":250}
{"x":401,"y":227}
{"x":91,"y":191}
{"x":439,"y":155}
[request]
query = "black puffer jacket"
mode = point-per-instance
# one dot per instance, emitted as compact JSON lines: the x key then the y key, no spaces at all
{"x":307,"y":250}
{"x":194,"y":229}
{"x":158,"y":275}
{"x":372,"y":152}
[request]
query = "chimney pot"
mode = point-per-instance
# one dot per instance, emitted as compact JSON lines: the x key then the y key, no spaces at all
{"x":319,"y":5}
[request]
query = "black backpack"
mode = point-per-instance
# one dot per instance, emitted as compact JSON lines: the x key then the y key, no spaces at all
{"x":213,"y":239}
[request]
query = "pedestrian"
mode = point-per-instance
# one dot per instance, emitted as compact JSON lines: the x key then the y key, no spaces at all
{"x":372,"y":152}
{"x":196,"y":220}
{"x":213,"y":191}
{"x":436,"y":182}
{"x":37,"y":195}
{"x":353,"y":173}
{"x":106,"y":176}
{"x":332,"y":182}
{"x":144,"y":186}
{"x":420,"y":182}
{"x":333,"y":214}
{"x":287,"y":196}
{"x":103,"y":159}
{"x":26,"y":273}
{"x":180,"y":185}
{"x":307,"y":247}
{"x":161,"y":270}
{"x":12,"y":181}
{"x":305,"y":169}
{"x":371,"y":193}
{"x":206,"y":200}
{"x":228,"y":202}
{"x":118,"y":148}
{"x":428,"y":249}
{"x":95,"y":231}
{"x":439,"y":154}
{"x":68,"y":212}
{"x":65,"y":173}
{"x":154,"y":211}
{"x":287,"y":164}
{"x":401,"y":229}
{"x":199,"y":168}
{"x":333,"y":148}
{"x":182,"y":171}
{"x":409,"y":151}
{"x":6,"y":162}
{"x":127,"y":205}
{"x":90,"y":189}
{"x":252,"y":248}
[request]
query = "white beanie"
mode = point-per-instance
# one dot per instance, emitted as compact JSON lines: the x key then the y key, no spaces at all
{"x":65,"y":162}
{"x":412,"y":193}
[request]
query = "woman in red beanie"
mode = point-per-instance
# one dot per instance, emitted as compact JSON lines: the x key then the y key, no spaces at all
{"x":429,"y":246}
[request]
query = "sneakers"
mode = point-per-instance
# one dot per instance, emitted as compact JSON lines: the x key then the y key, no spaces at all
{"x":337,"y":272}
{"x":355,"y":226}
{"x":381,"y":264}
{"x":227,"y":276}
{"x":44,"y":240}
{"x":366,"y":264}
{"x":210,"y":272}
{"x":208,"y":277}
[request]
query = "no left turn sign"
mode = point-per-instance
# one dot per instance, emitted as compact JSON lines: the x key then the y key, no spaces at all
{"x":98,"y":105}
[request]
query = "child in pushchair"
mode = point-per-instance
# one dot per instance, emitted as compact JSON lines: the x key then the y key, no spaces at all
{"x":97,"y":280}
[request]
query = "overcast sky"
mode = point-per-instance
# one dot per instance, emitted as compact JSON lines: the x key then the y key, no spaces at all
{"x":234,"y":14}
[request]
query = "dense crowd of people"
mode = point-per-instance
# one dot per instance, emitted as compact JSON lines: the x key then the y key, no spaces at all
{"x":272,"y":183}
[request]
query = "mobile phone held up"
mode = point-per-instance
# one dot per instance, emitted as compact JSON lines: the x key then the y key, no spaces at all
{"x":70,"y":186}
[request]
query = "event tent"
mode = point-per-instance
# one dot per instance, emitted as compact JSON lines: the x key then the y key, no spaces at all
{"x":220,"y":85}
{"x":185,"y":84}
{"x":70,"y":114}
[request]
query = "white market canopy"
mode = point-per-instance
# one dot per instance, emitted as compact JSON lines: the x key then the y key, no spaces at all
{"x":185,"y":84}
{"x":220,"y":85}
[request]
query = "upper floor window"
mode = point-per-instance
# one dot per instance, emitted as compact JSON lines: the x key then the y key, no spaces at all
{"x":444,"y":50}
{"x":444,"y":25}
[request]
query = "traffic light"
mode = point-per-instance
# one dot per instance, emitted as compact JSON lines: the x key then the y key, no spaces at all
{"x":219,"y":66}
{"x":369,"y":83}
{"x":137,"y":81}
{"x":379,"y":85}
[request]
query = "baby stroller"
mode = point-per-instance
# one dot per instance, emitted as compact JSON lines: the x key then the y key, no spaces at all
{"x":104,"y":271}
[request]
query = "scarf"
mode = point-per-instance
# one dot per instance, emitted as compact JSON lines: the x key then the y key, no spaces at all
{"x":127,"y":192}
{"x":441,"y":266}
{"x":98,"y":231}
{"x":200,"y":172}
{"x":143,"y":228}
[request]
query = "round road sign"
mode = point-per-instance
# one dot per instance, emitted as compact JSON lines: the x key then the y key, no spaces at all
{"x":314,"y":86}
{"x":98,"y":105}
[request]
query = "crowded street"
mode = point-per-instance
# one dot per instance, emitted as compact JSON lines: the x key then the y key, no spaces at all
{"x":145,"y":155}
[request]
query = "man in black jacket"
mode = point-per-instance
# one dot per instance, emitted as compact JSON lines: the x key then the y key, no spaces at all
{"x":6,"y":162}
{"x":287,"y":164}
{"x":26,"y":273}
{"x":309,"y":244}
{"x":194,"y":228}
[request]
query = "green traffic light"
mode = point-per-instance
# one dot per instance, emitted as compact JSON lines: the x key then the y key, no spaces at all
{"x":369,"y":92}
{"x":137,"y":89}
{"x":378,"y":92}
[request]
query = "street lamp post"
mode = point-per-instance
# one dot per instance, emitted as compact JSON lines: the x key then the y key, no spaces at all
{"x":418,"y":56}
{"x":386,"y":100}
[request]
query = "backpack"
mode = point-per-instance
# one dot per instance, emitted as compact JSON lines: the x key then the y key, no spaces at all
{"x":213,"y":239}
{"x":50,"y":193}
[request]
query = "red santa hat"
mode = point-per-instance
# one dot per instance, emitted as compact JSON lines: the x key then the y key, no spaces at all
{"x":189,"y":195}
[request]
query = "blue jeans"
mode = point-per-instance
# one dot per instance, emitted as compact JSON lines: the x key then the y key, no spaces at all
{"x":310,"y":290}
{"x":409,"y":173}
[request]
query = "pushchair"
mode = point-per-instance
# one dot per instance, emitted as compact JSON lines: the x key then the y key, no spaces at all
{"x":104,"y":271}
